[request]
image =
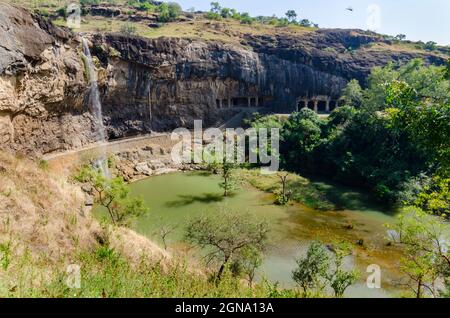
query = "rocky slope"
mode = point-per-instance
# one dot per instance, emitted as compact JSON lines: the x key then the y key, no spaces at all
{"x":159,"y":84}
{"x":54,"y":224}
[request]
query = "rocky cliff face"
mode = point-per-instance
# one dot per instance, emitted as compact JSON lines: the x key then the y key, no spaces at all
{"x":178,"y":78}
{"x":41,"y":82}
{"x":160,"y":84}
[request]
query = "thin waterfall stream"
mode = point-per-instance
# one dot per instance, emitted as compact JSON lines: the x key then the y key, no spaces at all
{"x":95,"y":106}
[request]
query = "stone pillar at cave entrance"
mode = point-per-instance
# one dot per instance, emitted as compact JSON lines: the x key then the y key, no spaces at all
{"x":229,"y":102}
{"x":327,"y":106}
{"x":316,"y":106}
{"x":249,"y":102}
{"x":257,"y":101}
{"x":220,"y":103}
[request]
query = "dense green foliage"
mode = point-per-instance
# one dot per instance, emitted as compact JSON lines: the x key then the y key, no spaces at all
{"x":217,"y":12}
{"x":311,"y":268}
{"x":318,"y":269}
{"x":391,"y":138}
{"x":426,"y":263}
{"x":168,"y":11}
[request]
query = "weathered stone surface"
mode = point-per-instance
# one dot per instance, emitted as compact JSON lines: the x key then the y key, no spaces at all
{"x":42,"y":86}
{"x":23,"y":38}
{"x":143,"y":168}
{"x":341,"y":52}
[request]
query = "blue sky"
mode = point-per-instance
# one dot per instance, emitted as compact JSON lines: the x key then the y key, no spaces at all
{"x":426,"y":20}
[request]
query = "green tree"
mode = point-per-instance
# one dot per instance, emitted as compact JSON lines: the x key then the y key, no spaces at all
{"x":168,"y":11}
{"x":353,"y":94}
{"x":246,"y":18}
{"x":228,"y":183}
{"x":314,"y":271}
{"x":375,"y":95}
{"x":282,"y":22}
{"x":250,"y":260}
{"x":339,"y":278}
{"x":226,"y":235}
{"x":225,"y":13}
{"x":234,"y":14}
{"x":284,"y":195}
{"x":267,"y":122}
{"x":400,"y":37}
{"x":435,"y":197}
{"x":430,"y":46}
{"x":305,"y":23}
{"x":291,"y":15}
{"x":423,"y":114}
{"x":312,"y":268}
{"x":89,"y":2}
{"x":215,"y":7}
{"x":340,"y":117}
{"x":112,"y":194}
{"x":300,"y":135}
{"x":425,"y":241}
{"x":174,"y":10}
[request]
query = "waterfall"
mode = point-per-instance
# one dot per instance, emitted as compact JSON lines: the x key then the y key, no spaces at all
{"x":95,"y":107}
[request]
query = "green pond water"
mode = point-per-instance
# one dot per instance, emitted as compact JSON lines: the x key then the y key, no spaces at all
{"x":176,"y":198}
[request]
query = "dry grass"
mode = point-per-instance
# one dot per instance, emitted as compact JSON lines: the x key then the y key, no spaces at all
{"x":400,"y":47}
{"x":227,"y":31}
{"x":40,"y":213}
{"x":43,"y":221}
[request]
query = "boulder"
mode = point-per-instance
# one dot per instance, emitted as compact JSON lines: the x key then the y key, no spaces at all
{"x":156,"y":164}
{"x":143,"y":168}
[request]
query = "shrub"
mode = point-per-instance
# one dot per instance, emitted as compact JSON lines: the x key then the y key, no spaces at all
{"x":246,"y":18}
{"x":430,"y":46}
{"x":168,"y":11}
{"x":212,"y":16}
{"x":113,"y":195}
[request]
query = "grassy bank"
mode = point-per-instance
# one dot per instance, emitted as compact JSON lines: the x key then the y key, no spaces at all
{"x":106,"y":273}
{"x":303,"y":191}
{"x":315,"y":194}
